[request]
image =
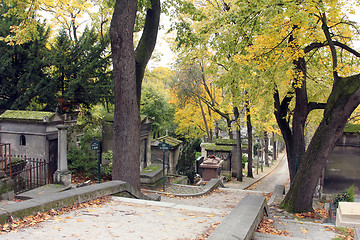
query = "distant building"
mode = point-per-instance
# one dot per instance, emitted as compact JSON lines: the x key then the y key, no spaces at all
{"x":171,"y":155}
{"x":33,"y":133}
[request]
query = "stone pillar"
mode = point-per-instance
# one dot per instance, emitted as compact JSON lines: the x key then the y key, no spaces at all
{"x":62,"y":174}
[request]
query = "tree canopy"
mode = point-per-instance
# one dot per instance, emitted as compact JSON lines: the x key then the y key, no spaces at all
{"x":300,"y":54}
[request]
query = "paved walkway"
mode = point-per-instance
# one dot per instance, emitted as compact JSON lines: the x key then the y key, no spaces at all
{"x":177,"y":189}
{"x":123,"y":218}
{"x":258,"y":175}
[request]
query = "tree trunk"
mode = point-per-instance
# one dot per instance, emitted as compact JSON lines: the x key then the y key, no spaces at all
{"x":205,"y":121}
{"x":343,"y":100}
{"x":126,"y":117}
{"x":128,"y":71}
{"x":147,"y":43}
{"x":266,"y":149}
{"x":250,"y":144}
{"x":239,"y":172}
{"x":274,"y":146}
{"x":228,"y":123}
{"x":294,"y":138}
{"x":216,"y":129}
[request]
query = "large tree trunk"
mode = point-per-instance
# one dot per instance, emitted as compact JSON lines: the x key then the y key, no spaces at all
{"x":126,"y":117}
{"x":250,"y":144}
{"x":128,"y":70}
{"x":343,"y":100}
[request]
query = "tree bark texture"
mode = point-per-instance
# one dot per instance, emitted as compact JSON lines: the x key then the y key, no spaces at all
{"x":239,"y":171}
{"x":147,"y":43}
{"x":273,"y":143}
{"x":126,"y":117}
{"x":343,"y":100}
{"x":128,"y":70}
{"x":266,"y":149}
{"x":250,"y":143}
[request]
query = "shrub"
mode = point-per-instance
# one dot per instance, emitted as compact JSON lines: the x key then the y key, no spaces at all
{"x":346,"y":196}
{"x":186,"y":163}
{"x":106,"y":169}
{"x":81,"y":158}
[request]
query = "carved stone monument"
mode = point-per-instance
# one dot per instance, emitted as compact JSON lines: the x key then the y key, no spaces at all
{"x":62,"y":175}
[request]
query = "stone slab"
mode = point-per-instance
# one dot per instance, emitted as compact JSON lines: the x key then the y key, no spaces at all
{"x":67,"y":198}
{"x":42,"y":191}
{"x":348,"y":214}
{"x":243,"y":220}
{"x":279,"y":190}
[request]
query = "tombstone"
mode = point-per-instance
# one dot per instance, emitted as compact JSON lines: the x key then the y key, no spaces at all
{"x":210,"y":167}
{"x":62,"y":174}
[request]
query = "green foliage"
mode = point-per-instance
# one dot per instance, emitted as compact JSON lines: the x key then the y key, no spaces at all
{"x":346,"y":196}
{"x":22,"y":66}
{"x":244,"y":159}
{"x":34,"y":77}
{"x":155,"y":105}
{"x":81,"y":158}
{"x":106,"y":168}
{"x":186,"y":163}
{"x":80,"y":71}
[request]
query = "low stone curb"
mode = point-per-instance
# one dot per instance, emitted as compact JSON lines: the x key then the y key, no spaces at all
{"x":243,"y":220}
{"x":209,"y":186}
{"x":279,"y":191}
{"x":67,"y":198}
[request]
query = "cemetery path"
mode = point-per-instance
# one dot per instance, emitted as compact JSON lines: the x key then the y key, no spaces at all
{"x":279,"y":176}
{"x":124,"y":218}
{"x":174,"y":218}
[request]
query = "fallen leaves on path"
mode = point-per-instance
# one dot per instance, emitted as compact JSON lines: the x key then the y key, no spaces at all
{"x":343,"y":233}
{"x":267,"y":226}
{"x":208,"y":231}
{"x":15,"y":224}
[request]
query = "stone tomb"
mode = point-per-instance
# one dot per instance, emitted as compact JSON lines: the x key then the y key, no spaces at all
{"x":348,"y":214}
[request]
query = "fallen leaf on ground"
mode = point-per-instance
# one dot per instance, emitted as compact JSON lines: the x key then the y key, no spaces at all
{"x":39,"y":217}
{"x":267,"y":226}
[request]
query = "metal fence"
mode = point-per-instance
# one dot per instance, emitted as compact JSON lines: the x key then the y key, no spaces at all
{"x":29,"y":173}
{"x":5,"y":157}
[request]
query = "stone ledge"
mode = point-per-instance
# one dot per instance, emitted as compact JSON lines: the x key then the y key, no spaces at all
{"x":67,"y":198}
{"x":279,"y":191}
{"x":348,"y":214}
{"x":243,"y":220}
